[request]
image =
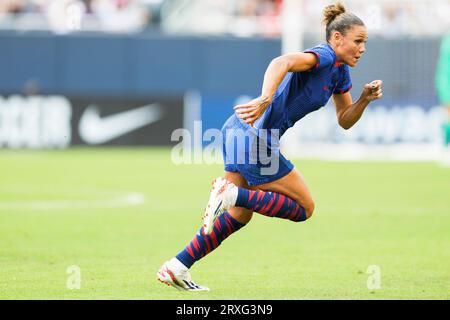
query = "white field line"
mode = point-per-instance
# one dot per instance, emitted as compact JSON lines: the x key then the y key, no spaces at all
{"x":109,"y":199}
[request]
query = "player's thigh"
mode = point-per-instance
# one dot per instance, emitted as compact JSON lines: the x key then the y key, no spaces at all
{"x":242,"y":215}
{"x":294,"y":186}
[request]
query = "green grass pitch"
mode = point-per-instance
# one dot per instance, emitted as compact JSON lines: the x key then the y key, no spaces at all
{"x":64,"y":208}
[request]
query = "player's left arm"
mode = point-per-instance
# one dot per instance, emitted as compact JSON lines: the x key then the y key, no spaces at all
{"x":348,"y":113}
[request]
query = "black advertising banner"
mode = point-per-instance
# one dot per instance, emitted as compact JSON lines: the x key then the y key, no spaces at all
{"x":56,"y":122}
{"x":126,"y":121}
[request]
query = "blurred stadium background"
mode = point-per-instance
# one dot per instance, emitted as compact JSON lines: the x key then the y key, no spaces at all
{"x":91,"y":92}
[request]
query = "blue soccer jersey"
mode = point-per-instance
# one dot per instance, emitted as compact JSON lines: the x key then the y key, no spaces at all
{"x":303,"y":92}
{"x":298,"y":94}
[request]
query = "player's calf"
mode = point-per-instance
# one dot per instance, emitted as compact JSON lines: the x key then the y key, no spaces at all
{"x":273,"y":204}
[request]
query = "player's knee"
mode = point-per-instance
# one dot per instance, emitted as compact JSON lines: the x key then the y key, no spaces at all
{"x":309,"y":208}
{"x":242,"y":215}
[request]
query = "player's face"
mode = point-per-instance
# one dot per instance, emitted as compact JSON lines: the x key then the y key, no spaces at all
{"x":352,"y":45}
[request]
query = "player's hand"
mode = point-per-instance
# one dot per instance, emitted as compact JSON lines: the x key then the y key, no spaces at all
{"x":251,"y":111}
{"x":372,"y":91}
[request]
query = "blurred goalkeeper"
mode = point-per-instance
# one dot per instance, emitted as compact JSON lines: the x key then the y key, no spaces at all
{"x":295,"y":84}
{"x":443,"y":83}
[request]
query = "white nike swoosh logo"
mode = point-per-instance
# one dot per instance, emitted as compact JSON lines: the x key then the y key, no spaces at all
{"x":96,"y":130}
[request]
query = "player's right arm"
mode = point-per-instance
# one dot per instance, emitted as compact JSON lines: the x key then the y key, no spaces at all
{"x":275,"y":73}
{"x":279,"y":67}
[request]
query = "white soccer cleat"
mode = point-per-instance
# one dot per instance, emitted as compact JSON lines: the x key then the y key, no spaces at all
{"x":178,"y":278}
{"x":223,"y":197}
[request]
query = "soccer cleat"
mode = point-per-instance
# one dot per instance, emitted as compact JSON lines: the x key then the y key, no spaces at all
{"x":223,"y":197}
{"x":179,"y":279}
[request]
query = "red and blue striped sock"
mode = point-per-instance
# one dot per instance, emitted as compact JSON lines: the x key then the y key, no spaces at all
{"x":271,"y":204}
{"x":203,"y":244}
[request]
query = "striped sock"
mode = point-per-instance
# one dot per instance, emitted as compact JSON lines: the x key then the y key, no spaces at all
{"x":203,"y":244}
{"x":271,"y":204}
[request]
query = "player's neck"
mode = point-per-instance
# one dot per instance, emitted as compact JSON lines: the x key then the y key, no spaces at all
{"x":333,"y":47}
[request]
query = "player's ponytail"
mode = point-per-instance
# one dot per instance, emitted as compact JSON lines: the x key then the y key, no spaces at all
{"x":331,"y":12}
{"x":336,"y":18}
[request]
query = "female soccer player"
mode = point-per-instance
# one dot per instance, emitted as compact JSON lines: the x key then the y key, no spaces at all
{"x":295,"y":84}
